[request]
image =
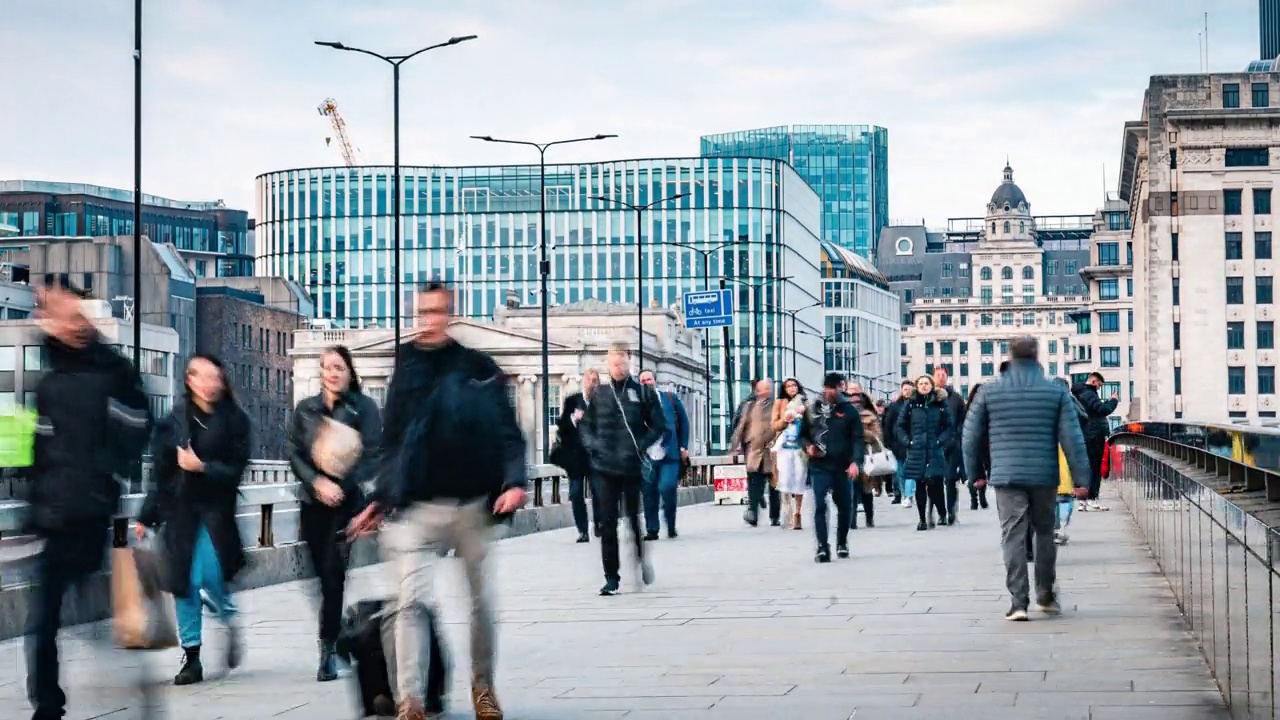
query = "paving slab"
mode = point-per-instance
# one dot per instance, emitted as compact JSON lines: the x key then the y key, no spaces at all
{"x":740,"y":624}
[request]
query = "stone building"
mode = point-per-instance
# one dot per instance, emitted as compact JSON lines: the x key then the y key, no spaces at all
{"x":579,"y":337}
{"x":1106,"y":339}
{"x":1198,"y":177}
{"x":970,"y":290}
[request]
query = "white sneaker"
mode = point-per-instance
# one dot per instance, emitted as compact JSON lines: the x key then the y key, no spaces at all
{"x":908,"y":503}
{"x":1083,"y":507}
{"x":1060,"y":537}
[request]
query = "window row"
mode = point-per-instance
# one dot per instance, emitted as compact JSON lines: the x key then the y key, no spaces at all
{"x":1263,"y":294}
{"x":1236,"y":377}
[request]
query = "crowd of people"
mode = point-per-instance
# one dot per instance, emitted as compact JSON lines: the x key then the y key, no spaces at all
{"x":444,"y":460}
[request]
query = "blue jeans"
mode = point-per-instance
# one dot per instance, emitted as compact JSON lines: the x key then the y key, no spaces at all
{"x":905,"y":484}
{"x":1066,"y":504}
{"x":841,"y":490}
{"x":206,"y":574}
{"x":661,"y":484}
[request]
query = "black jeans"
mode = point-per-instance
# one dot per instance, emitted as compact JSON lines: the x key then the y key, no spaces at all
{"x":929,"y":492}
{"x":1096,"y":447}
{"x":838,"y":485}
{"x":615,"y":489}
{"x":860,"y":494}
{"x":951,"y":494}
{"x":757,"y":483}
{"x":977,"y":495}
{"x":578,"y":499}
{"x":320,"y":526}
{"x":68,"y":559}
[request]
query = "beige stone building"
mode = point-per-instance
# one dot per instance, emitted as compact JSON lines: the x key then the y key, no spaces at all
{"x":1198,"y":172}
{"x":579,"y":338}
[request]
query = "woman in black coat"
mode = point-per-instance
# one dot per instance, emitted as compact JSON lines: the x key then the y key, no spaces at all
{"x":924,"y":429}
{"x":327,"y":503}
{"x":199,"y":454}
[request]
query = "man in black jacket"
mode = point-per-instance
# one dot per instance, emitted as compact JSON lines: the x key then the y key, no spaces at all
{"x":453,"y":458}
{"x":1096,"y":429}
{"x":93,"y":425}
{"x":571,"y":455}
{"x":622,"y":424}
{"x":888,"y":423}
{"x":833,"y":437}
{"x":955,"y":459}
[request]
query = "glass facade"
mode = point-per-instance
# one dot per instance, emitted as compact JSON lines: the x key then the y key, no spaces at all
{"x":751,"y":222}
{"x":210,"y":236}
{"x":847,"y":165}
{"x":861,"y":335}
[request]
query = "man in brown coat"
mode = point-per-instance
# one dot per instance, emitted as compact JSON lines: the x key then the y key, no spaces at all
{"x":754,"y":436}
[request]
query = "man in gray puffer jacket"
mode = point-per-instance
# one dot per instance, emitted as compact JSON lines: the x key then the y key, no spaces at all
{"x":1025,"y":417}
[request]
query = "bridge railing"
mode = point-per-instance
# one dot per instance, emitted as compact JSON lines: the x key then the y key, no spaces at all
{"x":269,"y":493}
{"x":1207,"y":497}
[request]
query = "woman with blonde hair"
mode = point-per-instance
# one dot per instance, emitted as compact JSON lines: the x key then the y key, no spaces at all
{"x":790,"y":468}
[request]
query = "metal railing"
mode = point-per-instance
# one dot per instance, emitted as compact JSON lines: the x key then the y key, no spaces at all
{"x":1202,"y":496}
{"x":269,"y":492}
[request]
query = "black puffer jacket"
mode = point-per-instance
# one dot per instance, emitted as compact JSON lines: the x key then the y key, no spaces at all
{"x":353,"y":409}
{"x":622,"y":421}
{"x":925,"y":431}
{"x":890,"y":424}
{"x":571,"y":455}
{"x":93,"y":424}
{"x":1096,"y":427}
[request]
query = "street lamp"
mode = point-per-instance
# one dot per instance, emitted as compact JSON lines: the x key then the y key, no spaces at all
{"x":639,"y":210}
{"x":544,"y":267}
{"x":396,"y":61}
{"x":755,"y":322}
{"x":794,"y":355}
{"x":828,"y":338}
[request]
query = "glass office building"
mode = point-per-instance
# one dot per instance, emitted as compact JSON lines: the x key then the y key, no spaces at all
{"x":754,"y":221}
{"x":862,"y":334}
{"x":212,"y":238}
{"x":847,"y":165}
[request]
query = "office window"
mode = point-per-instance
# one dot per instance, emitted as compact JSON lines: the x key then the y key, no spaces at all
{"x":1230,"y":202}
{"x":1246,"y":157}
{"x":946,"y":271}
{"x":988,"y":369}
{"x":1110,"y":356}
{"x":1109,"y":322}
{"x":1230,"y":95}
{"x":1235,"y":290}
{"x":1130,"y":356}
{"x":1173,"y":247}
{"x":985,"y":273}
{"x":1235,"y":381}
{"x":1109,"y":389}
{"x":1006,"y":273}
{"x":1177,"y":381}
{"x":1028,"y":294}
{"x":1053,"y":368}
{"x":1006,"y":318}
{"x":1051,"y":267}
{"x":1053,"y":347}
{"x":1235,"y":246}
{"x":1266,"y":335}
{"x":902,"y":370}
{"x":1109,"y":253}
{"x":1069,"y":268}
{"x":1262,"y":201}
{"x":1263,"y":291}
{"x":964,"y":369}
{"x":986,"y":294}
{"x":1177,"y":292}
{"x":1266,"y":380}
{"x":1082,"y":324}
{"x":1262,"y":246}
{"x":928,"y":368}
{"x":1028,"y":273}
{"x":9,"y":358}
{"x":944,"y":320}
{"x":988,"y":347}
{"x":1109,"y":289}
{"x":946,"y":347}
{"x":35,"y":358}
{"x":964,"y":271}
{"x":1004,"y":348}
{"x":1261,"y":97}
{"x":1028,"y":318}
{"x":1128,"y":253}
{"x":1177,"y":336}
{"x":946,"y":292}
{"x":986,"y":319}
{"x":928,"y":349}
{"x":1128,"y":287}
{"x":1235,"y":336}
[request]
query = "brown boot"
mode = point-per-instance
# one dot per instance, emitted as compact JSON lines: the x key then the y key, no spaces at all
{"x":485,"y":701}
{"x":410,"y":709}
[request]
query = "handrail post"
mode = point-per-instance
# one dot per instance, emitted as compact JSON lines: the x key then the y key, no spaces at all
{"x":266,"y":530}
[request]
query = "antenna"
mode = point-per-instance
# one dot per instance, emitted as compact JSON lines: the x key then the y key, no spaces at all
{"x":1206,"y":41}
{"x":1200,"y":51}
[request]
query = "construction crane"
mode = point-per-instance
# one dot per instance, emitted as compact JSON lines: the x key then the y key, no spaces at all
{"x":329,"y":109}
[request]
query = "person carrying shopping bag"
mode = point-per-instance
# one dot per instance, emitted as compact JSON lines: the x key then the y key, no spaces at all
{"x":790,"y":465}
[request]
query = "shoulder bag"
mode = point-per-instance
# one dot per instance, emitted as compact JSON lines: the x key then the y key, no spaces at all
{"x":880,"y":462}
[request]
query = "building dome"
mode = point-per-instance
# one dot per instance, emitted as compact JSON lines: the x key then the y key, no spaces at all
{"x":1008,"y":193}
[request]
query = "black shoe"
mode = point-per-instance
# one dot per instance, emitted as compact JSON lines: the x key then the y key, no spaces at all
{"x":1048,"y":603}
{"x":951,"y":519}
{"x":235,"y":647}
{"x":871,"y":521}
{"x":751,"y":517}
{"x":610,"y":587}
{"x":983,"y":502}
{"x":595,"y":528}
{"x":775,"y":522}
{"x":651,"y":536}
{"x":932,"y":524}
{"x":672,"y":534}
{"x":921,"y":526}
{"x":842,"y":551}
{"x":582,"y":538}
{"x":328,"y":670}
{"x":973,"y":504}
{"x":897,"y":500}
{"x":823,"y":555}
{"x":192,"y":671}
{"x":853,"y":525}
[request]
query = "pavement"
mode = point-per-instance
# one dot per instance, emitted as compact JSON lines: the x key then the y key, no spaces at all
{"x":740,"y":624}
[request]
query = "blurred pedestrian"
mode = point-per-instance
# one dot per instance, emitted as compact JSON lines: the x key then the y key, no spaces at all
{"x":866,"y":488}
{"x":571,"y":455}
{"x":904,"y":490}
{"x":754,"y":434}
{"x":789,"y":462}
{"x":93,"y":425}
{"x":663,"y":482}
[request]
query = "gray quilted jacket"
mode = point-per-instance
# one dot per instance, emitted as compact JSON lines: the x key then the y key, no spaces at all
{"x":1024,"y":417}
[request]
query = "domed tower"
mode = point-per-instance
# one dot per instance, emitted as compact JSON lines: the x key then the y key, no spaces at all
{"x":1009,"y":213}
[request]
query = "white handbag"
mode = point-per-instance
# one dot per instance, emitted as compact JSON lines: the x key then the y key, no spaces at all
{"x":881,"y":462}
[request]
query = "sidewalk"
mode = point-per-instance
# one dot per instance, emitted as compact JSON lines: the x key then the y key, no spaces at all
{"x":742,"y":624}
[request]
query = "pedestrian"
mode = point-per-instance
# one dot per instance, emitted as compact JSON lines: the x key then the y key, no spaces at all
{"x":1066,"y":498}
{"x":621,"y":428}
{"x":93,"y":425}
{"x":663,"y":483}
{"x":570,"y":454}
{"x":333,"y":446}
{"x":199,"y":452}
{"x":864,"y":489}
{"x":977,"y":491}
{"x":1096,"y":430}
{"x":925,"y":430}
{"x":452,"y":464}
{"x":903,"y":488}
{"x":955,"y":461}
{"x":832,"y":433}
{"x":789,"y":464}
{"x":1025,"y":417}
{"x":754,"y":433}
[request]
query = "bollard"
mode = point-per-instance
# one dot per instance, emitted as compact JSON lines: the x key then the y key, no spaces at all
{"x":537,"y":492}
{"x":266,"y":536}
{"x":555,"y":490}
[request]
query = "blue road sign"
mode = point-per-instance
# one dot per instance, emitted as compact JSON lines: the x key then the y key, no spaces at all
{"x":708,"y":309}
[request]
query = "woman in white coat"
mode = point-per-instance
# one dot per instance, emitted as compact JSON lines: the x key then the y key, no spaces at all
{"x":790,"y":470}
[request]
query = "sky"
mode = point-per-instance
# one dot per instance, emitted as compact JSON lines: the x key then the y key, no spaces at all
{"x":230,"y":87}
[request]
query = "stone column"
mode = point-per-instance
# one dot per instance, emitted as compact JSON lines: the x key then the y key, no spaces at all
{"x":528,"y":403}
